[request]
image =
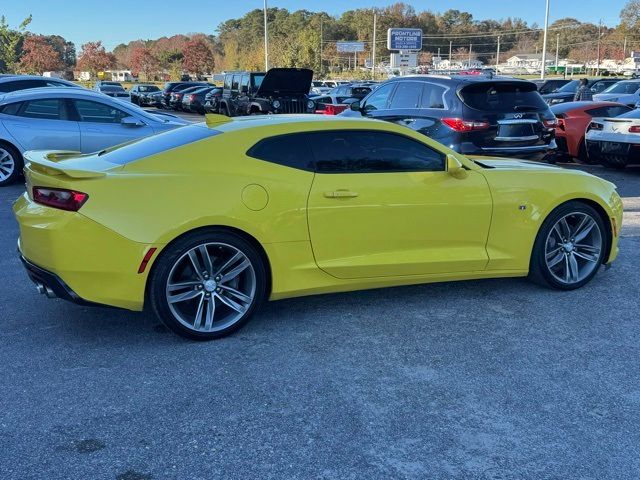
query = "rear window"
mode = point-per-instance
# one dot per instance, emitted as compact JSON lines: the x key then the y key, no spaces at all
{"x":623,"y":87}
{"x":571,"y":87}
{"x":631,"y":114}
{"x":147,"y":146}
{"x":502,"y":96}
{"x":11,"y":108}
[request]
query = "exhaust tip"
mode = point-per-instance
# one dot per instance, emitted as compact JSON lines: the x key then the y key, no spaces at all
{"x":49,"y":293}
{"x":41,"y":289}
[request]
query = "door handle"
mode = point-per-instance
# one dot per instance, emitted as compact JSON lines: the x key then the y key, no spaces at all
{"x":340,"y":194}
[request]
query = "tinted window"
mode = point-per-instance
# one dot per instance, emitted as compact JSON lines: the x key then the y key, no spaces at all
{"x":432,"y":96}
{"x":602,"y":85}
{"x":631,"y":114}
{"x":46,"y":109}
{"x":288,"y":150}
{"x":245,"y":81}
{"x":227,"y":81}
{"x":356,"y":151}
{"x":502,"y":96}
{"x":235,"y":83}
{"x":11,"y":108}
{"x":21,"y":85}
{"x":571,"y":87}
{"x":407,"y":95}
{"x":360,"y":91}
{"x":610,"y":111}
{"x":98,"y":112}
{"x":257,"y":80}
{"x":379,"y":99}
{"x":623,"y":87}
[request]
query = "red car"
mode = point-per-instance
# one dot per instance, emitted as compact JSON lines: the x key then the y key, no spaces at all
{"x":573,"y":119}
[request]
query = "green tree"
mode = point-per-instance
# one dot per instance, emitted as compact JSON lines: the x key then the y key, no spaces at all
{"x":11,"y":43}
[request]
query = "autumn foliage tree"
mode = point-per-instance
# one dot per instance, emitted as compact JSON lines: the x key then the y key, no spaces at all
{"x":143,"y":61}
{"x":197,"y":56}
{"x":39,"y":56}
{"x":94,"y":58}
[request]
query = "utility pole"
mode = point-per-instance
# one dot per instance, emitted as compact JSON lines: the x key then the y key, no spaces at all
{"x":321,"y":44}
{"x":266,"y":39}
{"x":373,"y":48}
{"x":557,"y":50}
{"x":450,"y":54}
{"x":470,"y":47}
{"x":599,"y":37}
{"x":498,"y":55}
{"x":544,"y":42}
{"x":624,"y":49}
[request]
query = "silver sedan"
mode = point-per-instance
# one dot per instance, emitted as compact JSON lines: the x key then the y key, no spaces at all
{"x":69,"y":119}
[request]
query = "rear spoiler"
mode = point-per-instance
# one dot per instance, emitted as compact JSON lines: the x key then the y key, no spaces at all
{"x":47,"y":162}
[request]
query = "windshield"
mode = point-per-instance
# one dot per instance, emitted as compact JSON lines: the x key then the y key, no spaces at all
{"x":623,"y":87}
{"x":149,"y":88}
{"x":111,"y":88}
{"x":257,"y":80}
{"x":571,"y":87}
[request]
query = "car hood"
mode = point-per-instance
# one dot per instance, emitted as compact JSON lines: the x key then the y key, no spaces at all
{"x":290,"y":81}
{"x":558,"y":95}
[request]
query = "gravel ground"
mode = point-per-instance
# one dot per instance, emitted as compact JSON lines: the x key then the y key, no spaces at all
{"x":495,"y":380}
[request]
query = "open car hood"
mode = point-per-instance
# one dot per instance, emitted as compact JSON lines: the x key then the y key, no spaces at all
{"x":286,"y":81}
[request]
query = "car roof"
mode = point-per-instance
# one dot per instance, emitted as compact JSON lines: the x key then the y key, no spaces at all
{"x":582,"y":105}
{"x":49,"y":92}
{"x":457,"y":79}
{"x":12,"y":78}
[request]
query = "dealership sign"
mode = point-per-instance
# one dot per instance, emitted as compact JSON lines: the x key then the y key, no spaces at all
{"x":404,"y":39}
{"x":350,"y":47}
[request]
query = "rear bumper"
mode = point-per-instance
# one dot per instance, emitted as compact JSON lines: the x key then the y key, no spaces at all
{"x":52,"y":285}
{"x":535,"y":152}
{"x":626,"y":154}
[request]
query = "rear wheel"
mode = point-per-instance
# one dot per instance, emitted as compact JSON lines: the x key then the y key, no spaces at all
{"x":569,"y":248}
{"x":10,"y":164}
{"x":208,"y":284}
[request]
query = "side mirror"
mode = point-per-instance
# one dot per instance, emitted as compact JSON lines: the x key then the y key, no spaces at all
{"x":131,"y":122}
{"x":455,"y":168}
{"x":355,"y":106}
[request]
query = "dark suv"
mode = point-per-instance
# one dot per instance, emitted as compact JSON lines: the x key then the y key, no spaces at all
{"x":280,"y":90}
{"x":568,"y":91}
{"x":474,"y":115}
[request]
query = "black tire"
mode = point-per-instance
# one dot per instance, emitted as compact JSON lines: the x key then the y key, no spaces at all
{"x":583,"y":156}
{"x":11,"y":164}
{"x":539,"y":272}
{"x":159,"y":277}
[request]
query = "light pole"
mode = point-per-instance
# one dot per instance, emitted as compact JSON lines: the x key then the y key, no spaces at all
{"x":599,"y":38}
{"x":557,"y":50}
{"x":373,"y":48}
{"x":544,"y":42}
{"x":498,"y":55}
{"x":266,"y":39}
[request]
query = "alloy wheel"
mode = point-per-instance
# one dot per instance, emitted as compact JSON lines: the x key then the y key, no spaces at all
{"x":7,"y":164}
{"x":211,"y":287}
{"x":573,"y":248}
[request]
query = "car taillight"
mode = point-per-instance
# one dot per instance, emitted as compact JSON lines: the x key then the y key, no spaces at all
{"x":551,"y":122}
{"x":334,"y":109}
{"x":60,"y":198}
{"x":561,"y":124}
{"x":595,"y":126}
{"x":192,"y":98}
{"x":634,"y":129}
{"x":460,"y":125}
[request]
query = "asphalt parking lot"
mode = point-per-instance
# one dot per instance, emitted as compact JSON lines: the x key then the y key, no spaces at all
{"x":491,"y":380}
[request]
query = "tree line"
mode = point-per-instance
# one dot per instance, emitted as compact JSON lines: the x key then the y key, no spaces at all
{"x":309,"y":39}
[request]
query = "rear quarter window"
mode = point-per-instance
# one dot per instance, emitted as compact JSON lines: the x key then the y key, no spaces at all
{"x":502,"y":96}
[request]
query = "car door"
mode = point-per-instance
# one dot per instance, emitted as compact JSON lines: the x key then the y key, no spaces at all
{"x":383,"y":204}
{"x":44,"y":124}
{"x":101,"y":125}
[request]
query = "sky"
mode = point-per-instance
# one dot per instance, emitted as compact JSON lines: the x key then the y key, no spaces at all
{"x":120,"y":21}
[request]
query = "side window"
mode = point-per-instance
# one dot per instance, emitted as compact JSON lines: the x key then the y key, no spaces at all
{"x":245,"y":82}
{"x":227,"y":82}
{"x":288,"y":150}
{"x":20,"y":85}
{"x":45,"y":109}
{"x":235,"y":83}
{"x":11,"y":108}
{"x":98,"y":112}
{"x":407,"y":95}
{"x":363,"y":151}
{"x":380,"y":98}
{"x":432,"y":96}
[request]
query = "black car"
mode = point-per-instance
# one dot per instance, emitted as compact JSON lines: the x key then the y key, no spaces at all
{"x":170,"y":87}
{"x":474,"y":115}
{"x":568,"y":91}
{"x":175,"y":100}
{"x":212,"y":100}
{"x":280,"y":90}
{"x":138,"y":90}
{"x":194,"y":101}
{"x":550,"y":85}
{"x":151,"y":99}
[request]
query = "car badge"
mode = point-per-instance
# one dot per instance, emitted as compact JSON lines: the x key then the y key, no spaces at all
{"x":517,"y":115}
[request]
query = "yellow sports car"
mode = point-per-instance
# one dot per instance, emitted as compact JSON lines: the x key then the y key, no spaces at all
{"x":203,"y":223}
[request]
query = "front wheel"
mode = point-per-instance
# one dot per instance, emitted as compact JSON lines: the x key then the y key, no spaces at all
{"x":569,"y":248}
{"x":207,"y":285}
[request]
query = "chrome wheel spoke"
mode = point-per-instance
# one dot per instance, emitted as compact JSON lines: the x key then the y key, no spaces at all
{"x":584,"y":229}
{"x":195,"y":264}
{"x":586,"y":256}
{"x":172,"y":287}
{"x":208,"y":267}
{"x":231,"y":303}
{"x":183,"y":297}
{"x":228,"y":263}
{"x":574,"y":270}
{"x":210,"y":313}
{"x":236,"y":270}
{"x":198,"y":318}
{"x":556,"y":260}
{"x":239,"y":295}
